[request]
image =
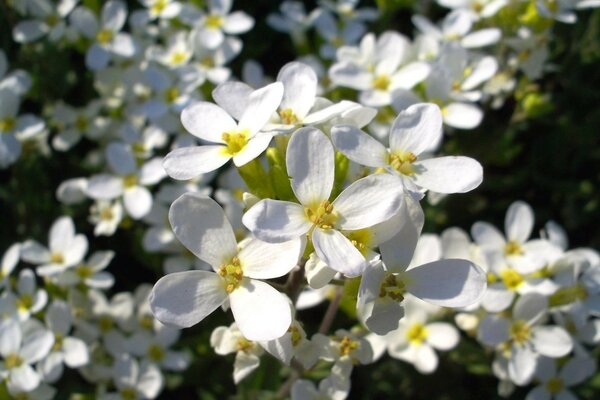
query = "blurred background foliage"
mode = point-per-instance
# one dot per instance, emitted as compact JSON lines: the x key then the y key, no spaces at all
{"x":543,"y":147}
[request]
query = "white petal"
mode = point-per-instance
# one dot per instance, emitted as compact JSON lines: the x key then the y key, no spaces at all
{"x":300,"y":88}
{"x":488,"y":236}
{"x":152,"y":172}
{"x":368,"y":201}
{"x":497,"y":298}
{"x":442,"y":336}
{"x":189,"y":162}
{"x":243,"y":365}
{"x":260,"y":311}
{"x":262,"y":260}
{"x":201,"y":226}
{"x":252,"y":149}
{"x":411,"y":74}
{"x":29,"y":30}
{"x":51,"y":367}
{"x":426,"y":360}
{"x":448,"y":174}
{"x":276,"y":221}
{"x":310,"y":163}
{"x":551,"y":341}
{"x":34,"y":253}
{"x":416,"y":129}
{"x":462,"y":115}
{"x":137,"y":201}
{"x":521,"y":365}
{"x":96,"y":57}
{"x":76,"y":352}
{"x":211,"y":38}
{"x":530,"y":307}
{"x":447,"y":283}
{"x":123,"y":45}
{"x":23,"y":378}
{"x":481,"y":38}
{"x":150,"y":382}
{"x":238,"y":22}
{"x":36,"y":346}
{"x":338,"y":252}
{"x":233,"y":97}
{"x":10,"y":337}
{"x":577,"y":369}
{"x":519,"y":222}
{"x":185,"y":298}
{"x":104,"y":187}
{"x":207,"y":121}
{"x":262,"y":103}
{"x":114,"y":14}
{"x":359,"y":146}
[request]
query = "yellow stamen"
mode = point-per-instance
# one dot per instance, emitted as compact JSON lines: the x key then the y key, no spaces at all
{"x":214,"y":21}
{"x":232,"y":274}
{"x":392,"y":287}
{"x":416,"y":334}
{"x":511,"y":279}
{"x":382,"y":82}
{"x":288,"y":116}
{"x":235,"y":141}
{"x":322,"y":215}
{"x":402,"y":162}
{"x":105,"y":36}
{"x":520,"y":332}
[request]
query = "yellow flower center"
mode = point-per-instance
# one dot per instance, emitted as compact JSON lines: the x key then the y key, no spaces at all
{"x":158,"y":7}
{"x":178,"y":57}
{"x":288,"y":116}
{"x":381,"y":82}
{"x":416,"y":334}
{"x":138,"y":148}
{"x":207,"y":62}
{"x":156,"y":353}
{"x":361,"y":239}
{"x":402,"y":161}
{"x":57,"y":258}
{"x":7,"y":124}
{"x":520,"y":332}
{"x":128,"y":394}
{"x":104,"y":36}
{"x":296,"y":335}
{"x":171,"y":94}
{"x":513,"y":248}
{"x":24,"y":302}
{"x":130,"y":181}
{"x":235,"y":141}
{"x":58,"y":342}
{"x":214,"y":21}
{"x":106,"y":214}
{"x":348,"y":345}
{"x":232,"y":274}
{"x":322,"y":215}
{"x":244,"y":345}
{"x":512,"y":279}
{"x":81,"y":123}
{"x":13,"y":361}
{"x":554,"y":385}
{"x":105,"y":323}
{"x":84,"y":271}
{"x":52,"y":20}
{"x":392,"y":287}
{"x":147,"y":322}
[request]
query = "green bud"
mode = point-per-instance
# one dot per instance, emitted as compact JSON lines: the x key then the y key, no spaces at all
{"x":278,"y":174}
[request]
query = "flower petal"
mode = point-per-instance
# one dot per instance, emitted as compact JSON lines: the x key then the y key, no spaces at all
{"x":416,"y":129}
{"x":442,"y":336}
{"x":207,"y":121}
{"x":338,"y":253}
{"x":551,"y":341}
{"x":185,"y":298}
{"x":262,"y":103}
{"x":358,"y":146}
{"x":449,"y":174}
{"x":276,"y":221}
{"x":300,"y":88}
{"x":519,"y":222}
{"x":262,"y":260}
{"x":189,"y":162}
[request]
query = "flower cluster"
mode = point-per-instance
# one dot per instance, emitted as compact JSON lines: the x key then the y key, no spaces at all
{"x":267,"y":196}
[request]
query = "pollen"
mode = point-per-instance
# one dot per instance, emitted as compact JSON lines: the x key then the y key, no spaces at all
{"x":513,"y":248}
{"x":361,"y":239}
{"x":416,"y":334}
{"x":244,"y":345}
{"x":214,"y":21}
{"x":392,"y":287}
{"x":232,"y":274}
{"x":520,"y":332}
{"x":25,"y":302}
{"x":105,"y":323}
{"x":81,"y":123}
{"x":158,"y":7}
{"x":296,"y":336}
{"x":106,"y":214}
{"x":347,"y":346}
{"x":288,"y":116}
{"x":322,"y":215}
{"x":84,"y":271}
{"x":382,"y":82}
{"x":13,"y":361}
{"x":171,"y":94}
{"x":7,"y":124}
{"x":156,"y":353}
{"x":177,"y":57}
{"x":130,"y":181}
{"x":554,"y":385}
{"x":57,"y":258}
{"x":58,"y":342}
{"x":235,"y":141}
{"x":105,"y":36}
{"x":511,"y":279}
{"x":402,"y":162}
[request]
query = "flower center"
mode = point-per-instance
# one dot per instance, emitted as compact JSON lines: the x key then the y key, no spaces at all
{"x":322,"y":215}
{"x":156,"y":353}
{"x":13,"y":361}
{"x":347,"y":345}
{"x":106,"y":214}
{"x":52,"y":20}
{"x":296,"y":335}
{"x":288,"y":116}
{"x":159,"y":6}
{"x":7,"y":124}
{"x":235,"y":141}
{"x":360,"y":239}
{"x":554,"y":385}
{"x":244,"y":345}
{"x":84,"y":271}
{"x":147,"y":322}
{"x":381,"y":82}
{"x":24,"y":302}
{"x":214,"y":21}
{"x":57,"y":258}
{"x":402,"y":161}
{"x":520,"y":332}
{"x":81,"y":123}
{"x":511,"y":278}
{"x":392,"y":287}
{"x":513,"y":248}
{"x":178,"y":57}
{"x":104,"y":36}
{"x":171,"y":94}
{"x":232,"y":274}
{"x":130,"y":181}
{"x":416,"y":334}
{"x":58,"y":342}
{"x":105,"y":323}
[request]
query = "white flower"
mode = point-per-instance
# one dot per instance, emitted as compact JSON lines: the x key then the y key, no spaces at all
{"x":336,"y":35}
{"x":185,"y":298}
{"x":335,"y":387}
{"x":163,"y":9}
{"x":67,"y":350}
{"x":65,"y":249}
{"x":241,"y":141}
{"x":310,"y":165}
{"x":27,"y":299}
{"x":9,"y":261}
{"x":90,"y":273}
{"x":154,"y":347}
{"x":49,"y":20}
{"x":19,"y":351}
{"x":219,"y":21}
{"x":134,"y":380}
{"x":227,"y":340}
{"x":555,"y":384}
{"x":106,"y":216}
{"x":414,"y":131}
